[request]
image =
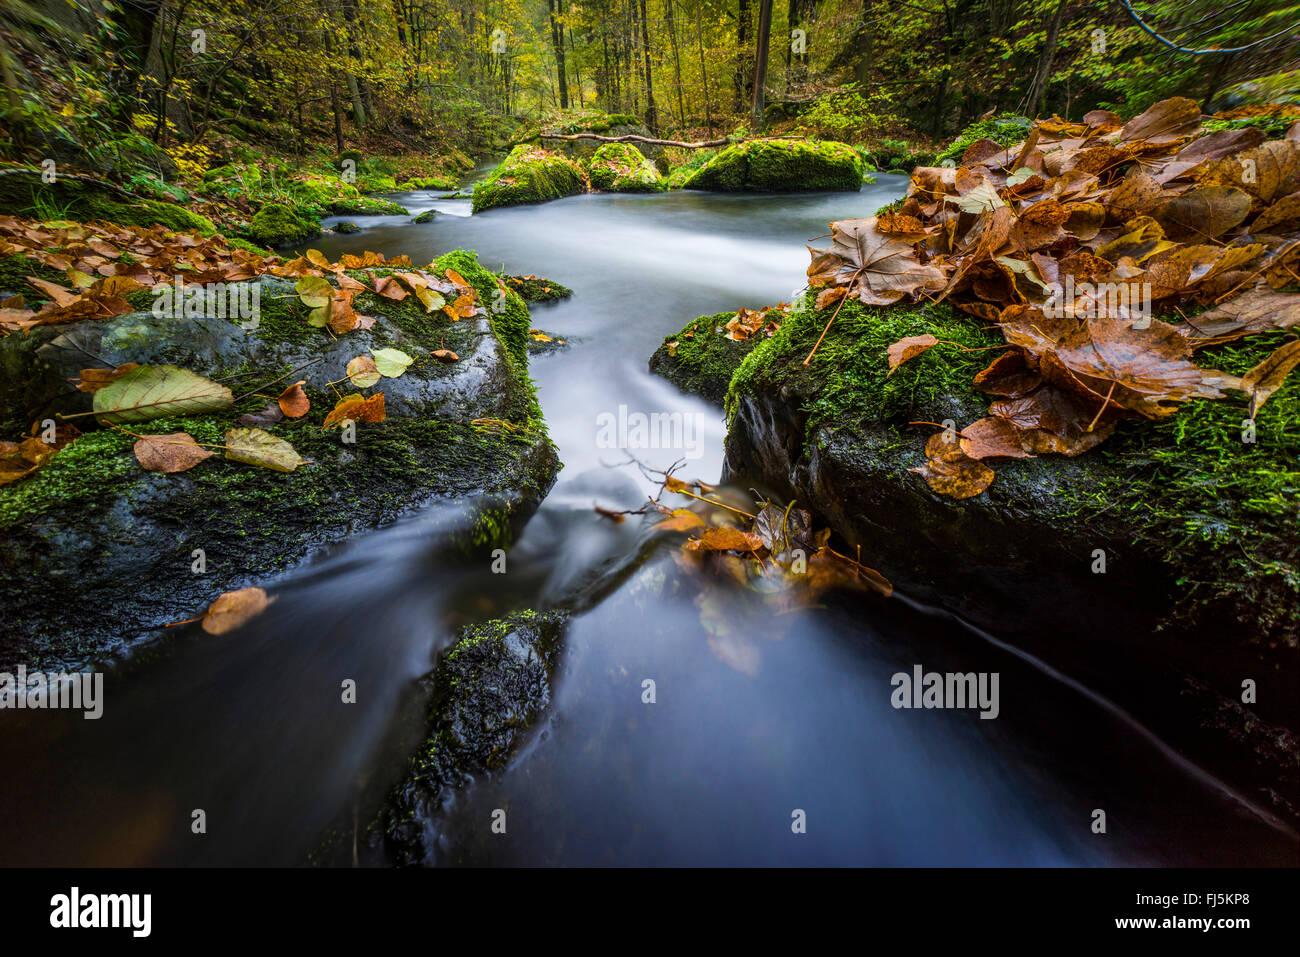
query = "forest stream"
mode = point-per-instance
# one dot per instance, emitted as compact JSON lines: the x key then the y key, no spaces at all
{"x":755,"y":716}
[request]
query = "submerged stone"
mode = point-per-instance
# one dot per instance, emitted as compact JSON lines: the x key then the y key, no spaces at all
{"x":486,"y":693}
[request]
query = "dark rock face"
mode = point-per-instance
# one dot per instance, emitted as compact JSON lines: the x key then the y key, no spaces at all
{"x":1021,"y":560}
{"x":96,"y":553}
{"x":486,"y":693}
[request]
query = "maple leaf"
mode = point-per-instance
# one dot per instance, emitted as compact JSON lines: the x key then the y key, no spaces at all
{"x":886,"y":268}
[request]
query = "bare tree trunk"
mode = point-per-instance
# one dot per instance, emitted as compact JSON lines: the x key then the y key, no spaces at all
{"x":760,"y":62}
{"x":677,"y":63}
{"x":557,"y":44}
{"x":742,"y":51}
{"x":651,"y":111}
{"x":704,"y":67}
{"x":1037,"y":91}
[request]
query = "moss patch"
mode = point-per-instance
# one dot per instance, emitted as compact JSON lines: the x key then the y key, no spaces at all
{"x":277,"y":225}
{"x":621,"y":168}
{"x":703,"y":360}
{"x":780,"y":166}
{"x":528,"y":175}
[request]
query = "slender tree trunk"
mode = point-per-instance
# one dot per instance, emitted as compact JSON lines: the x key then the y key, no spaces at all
{"x":742,"y":78}
{"x":760,"y":63}
{"x":338,"y":117}
{"x":651,"y":111}
{"x":677,"y":63}
{"x":1037,"y":91}
{"x":557,"y":44}
{"x":704,"y":67}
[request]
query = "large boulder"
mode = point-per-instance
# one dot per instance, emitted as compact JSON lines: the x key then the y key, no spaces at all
{"x":528,"y":175}
{"x":97,"y":553}
{"x":1200,"y":583}
{"x":621,"y":168}
{"x":780,"y":166}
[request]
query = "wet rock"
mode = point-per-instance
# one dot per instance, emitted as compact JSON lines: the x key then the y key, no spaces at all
{"x":528,"y":175}
{"x":700,"y":359}
{"x":96,"y":553}
{"x":486,"y":693}
{"x":1198,"y":589}
{"x":425,"y":217}
{"x":621,"y":168}
{"x":778,"y":166}
{"x":538,"y":289}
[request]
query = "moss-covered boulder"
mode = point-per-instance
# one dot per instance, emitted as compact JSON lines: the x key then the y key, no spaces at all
{"x":486,"y":692}
{"x":700,"y":359}
{"x":538,"y":289}
{"x":1196,"y":526}
{"x":86,"y":200}
{"x":277,"y":224}
{"x":528,"y":175}
{"x":366,"y":206}
{"x":780,"y":166}
{"x":323,"y":190}
{"x":440,"y":183}
{"x":621,"y":168}
{"x":115,"y":543}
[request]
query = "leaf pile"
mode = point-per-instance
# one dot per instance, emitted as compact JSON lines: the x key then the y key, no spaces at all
{"x":103,"y":264}
{"x":1171,"y":221}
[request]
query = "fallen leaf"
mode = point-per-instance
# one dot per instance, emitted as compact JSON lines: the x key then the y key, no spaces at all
{"x":293,"y":401}
{"x":234,"y":608}
{"x":909,"y":348}
{"x":258,"y":447}
{"x":172,"y":453}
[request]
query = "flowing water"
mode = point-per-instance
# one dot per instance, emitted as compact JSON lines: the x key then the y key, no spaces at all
{"x":756,"y":717}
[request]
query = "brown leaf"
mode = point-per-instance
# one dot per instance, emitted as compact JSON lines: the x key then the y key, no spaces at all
{"x":234,"y":608}
{"x":1206,"y":212}
{"x":950,"y":471}
{"x":172,"y":453}
{"x":293,"y":400}
{"x":909,"y":348}
{"x":724,"y":538}
{"x":91,"y":380}
{"x":1166,"y":122}
{"x":992,"y":437}
{"x":1267,"y":377}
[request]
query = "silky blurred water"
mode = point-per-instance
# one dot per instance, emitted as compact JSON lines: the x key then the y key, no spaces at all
{"x":756,"y":717}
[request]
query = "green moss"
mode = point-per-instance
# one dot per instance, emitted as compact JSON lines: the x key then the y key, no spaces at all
{"x":1003,"y":130}
{"x":781,"y":166}
{"x":528,"y":175}
{"x":234,"y":242}
{"x":22,"y":192}
{"x":704,"y":359}
{"x":847,"y":379}
{"x":277,"y":224}
{"x":431,"y":182}
{"x":366,"y":206}
{"x":538,"y":289}
{"x":77,"y":476}
{"x":15,"y":269}
{"x":323,"y":190}
{"x":621,"y":168}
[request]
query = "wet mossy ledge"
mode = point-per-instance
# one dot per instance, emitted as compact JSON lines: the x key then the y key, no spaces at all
{"x":700,"y":359}
{"x":486,"y":693}
{"x":528,"y":175}
{"x":1201,"y":584}
{"x":23,"y":192}
{"x":96,"y":553}
{"x":779,"y":166}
